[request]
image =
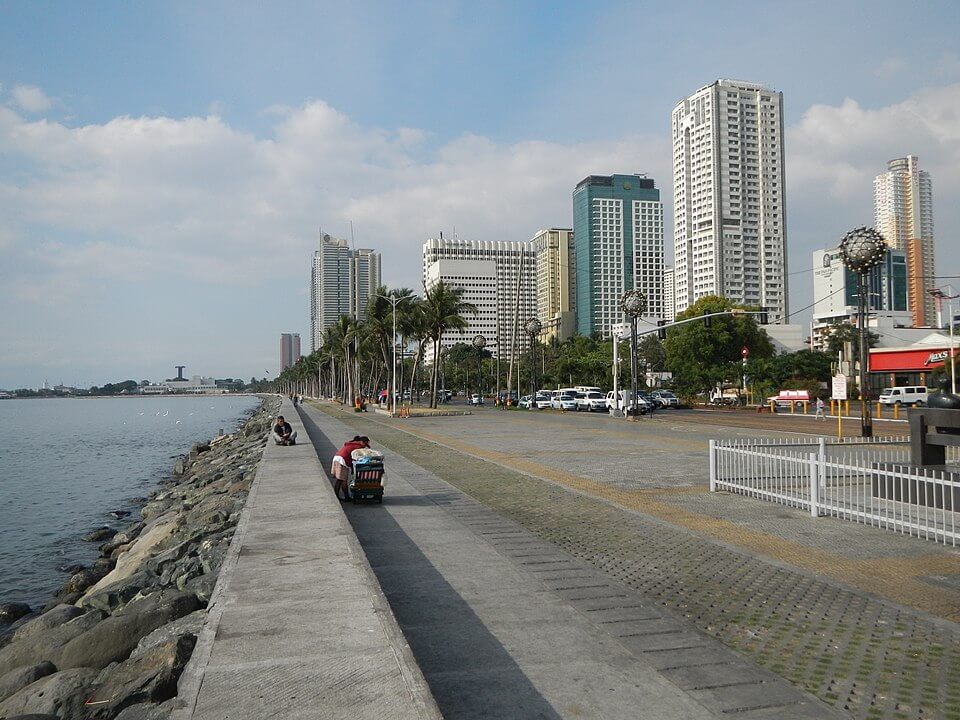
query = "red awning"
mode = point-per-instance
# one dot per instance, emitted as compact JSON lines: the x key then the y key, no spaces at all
{"x":909,"y":360}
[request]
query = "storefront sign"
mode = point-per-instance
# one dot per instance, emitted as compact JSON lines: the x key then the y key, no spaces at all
{"x":908,"y":360}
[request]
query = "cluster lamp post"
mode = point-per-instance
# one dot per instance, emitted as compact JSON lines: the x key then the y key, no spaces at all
{"x":479,"y":342}
{"x":633,"y":303}
{"x":862,"y":250}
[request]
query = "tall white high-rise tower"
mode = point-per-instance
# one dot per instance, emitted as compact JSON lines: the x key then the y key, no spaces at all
{"x":729,"y":203}
{"x":903,"y":201}
{"x":342,"y":280}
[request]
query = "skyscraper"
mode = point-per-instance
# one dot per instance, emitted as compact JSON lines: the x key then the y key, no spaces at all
{"x":289,"y":350}
{"x":903,"y":201}
{"x":554,"y":254}
{"x":729,"y":206}
{"x":618,"y":241}
{"x":513,"y":264}
{"x":669,"y":296}
{"x":342,"y":281}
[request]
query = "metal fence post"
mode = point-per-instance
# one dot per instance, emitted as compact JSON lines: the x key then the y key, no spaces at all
{"x":814,"y":487}
{"x":713,"y":465}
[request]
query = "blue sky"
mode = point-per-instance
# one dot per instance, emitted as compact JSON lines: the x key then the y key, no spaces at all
{"x":164,"y":167}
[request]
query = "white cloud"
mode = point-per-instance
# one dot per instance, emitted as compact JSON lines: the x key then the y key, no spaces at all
{"x":133,"y":193}
{"x":140,"y":217}
{"x":31,"y":99}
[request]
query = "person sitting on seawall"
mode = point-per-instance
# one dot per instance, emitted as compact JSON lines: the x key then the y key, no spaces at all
{"x":283,"y":434}
{"x":343,"y":464}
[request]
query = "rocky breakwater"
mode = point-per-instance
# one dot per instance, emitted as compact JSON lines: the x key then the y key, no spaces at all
{"x":115,"y":638}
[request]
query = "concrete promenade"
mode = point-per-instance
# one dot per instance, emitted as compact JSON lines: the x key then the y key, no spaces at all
{"x":506,"y":625}
{"x":863,"y":618}
{"x":298,"y":626}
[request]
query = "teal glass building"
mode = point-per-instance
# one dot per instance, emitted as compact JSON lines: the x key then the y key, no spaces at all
{"x":618,"y":237}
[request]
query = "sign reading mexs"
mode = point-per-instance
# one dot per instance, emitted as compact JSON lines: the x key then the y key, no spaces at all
{"x":912,"y":360}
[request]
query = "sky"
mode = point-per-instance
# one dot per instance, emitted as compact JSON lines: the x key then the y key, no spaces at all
{"x":166,"y":167}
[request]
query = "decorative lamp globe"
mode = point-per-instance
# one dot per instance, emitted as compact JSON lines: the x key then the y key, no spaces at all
{"x":633,"y":303}
{"x":479,"y":342}
{"x":862,"y":249}
{"x":533,"y":327}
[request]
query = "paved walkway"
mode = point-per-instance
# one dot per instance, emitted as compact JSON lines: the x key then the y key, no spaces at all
{"x":797,"y":595}
{"x":504,"y":624}
{"x":298,"y":627}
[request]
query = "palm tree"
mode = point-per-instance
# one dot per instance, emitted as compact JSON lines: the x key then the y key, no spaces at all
{"x":444,"y":309}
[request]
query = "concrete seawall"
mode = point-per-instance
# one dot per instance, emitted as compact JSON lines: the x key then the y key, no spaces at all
{"x":298,"y":625}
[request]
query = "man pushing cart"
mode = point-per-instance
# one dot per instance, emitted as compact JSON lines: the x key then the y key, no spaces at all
{"x":358,"y":471}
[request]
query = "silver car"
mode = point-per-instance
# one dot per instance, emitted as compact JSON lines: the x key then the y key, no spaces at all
{"x":563,"y":401}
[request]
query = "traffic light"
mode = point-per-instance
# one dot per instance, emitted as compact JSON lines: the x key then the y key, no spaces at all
{"x":661,"y":333}
{"x":763,"y":316}
{"x":707,"y":321}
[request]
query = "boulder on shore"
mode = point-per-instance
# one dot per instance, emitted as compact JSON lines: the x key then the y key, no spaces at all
{"x":103,"y":533}
{"x":61,"y":694}
{"x":151,"y":677}
{"x":112,"y":639}
{"x":16,"y":680}
{"x":12,"y":611}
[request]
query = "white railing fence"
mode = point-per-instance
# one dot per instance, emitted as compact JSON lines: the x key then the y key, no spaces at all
{"x":862,"y":480}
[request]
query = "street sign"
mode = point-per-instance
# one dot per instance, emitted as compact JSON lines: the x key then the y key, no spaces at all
{"x":839,"y":389}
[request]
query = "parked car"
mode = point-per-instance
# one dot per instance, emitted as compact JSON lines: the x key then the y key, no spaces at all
{"x":526,"y":402}
{"x":563,"y":401}
{"x":643,"y":405}
{"x":542,"y":400}
{"x":665,"y":398}
{"x":907,"y":395}
{"x":476,"y":399}
{"x":591,"y":400}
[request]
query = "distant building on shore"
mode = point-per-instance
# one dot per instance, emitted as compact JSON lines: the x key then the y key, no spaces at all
{"x":556,"y":277}
{"x":903,"y":202}
{"x":513,"y":271}
{"x":342,"y":281}
{"x":289,"y":350}
{"x":729,"y":201}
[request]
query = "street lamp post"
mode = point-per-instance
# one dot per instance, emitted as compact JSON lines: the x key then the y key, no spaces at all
{"x":479,"y":342}
{"x":393,"y":300}
{"x":633,"y":303}
{"x":533,"y":328}
{"x":862,"y":250}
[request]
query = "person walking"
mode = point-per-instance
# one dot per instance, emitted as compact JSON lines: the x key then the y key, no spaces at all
{"x":820,"y":413}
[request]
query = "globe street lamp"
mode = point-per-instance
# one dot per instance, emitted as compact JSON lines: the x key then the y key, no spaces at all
{"x":633,"y":303}
{"x":861,"y":250}
{"x":479,"y":342}
{"x":533,"y":328}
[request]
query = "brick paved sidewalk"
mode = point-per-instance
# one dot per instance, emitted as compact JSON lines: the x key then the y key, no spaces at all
{"x":868,"y":656}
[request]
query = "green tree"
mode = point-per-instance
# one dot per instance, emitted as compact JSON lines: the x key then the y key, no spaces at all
{"x":444,"y":309}
{"x":844,"y":334}
{"x":702,"y":357}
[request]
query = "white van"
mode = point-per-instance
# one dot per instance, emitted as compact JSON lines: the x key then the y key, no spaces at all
{"x":908,"y":395}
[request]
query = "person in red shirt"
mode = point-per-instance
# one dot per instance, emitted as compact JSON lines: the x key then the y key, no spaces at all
{"x":343,"y":464}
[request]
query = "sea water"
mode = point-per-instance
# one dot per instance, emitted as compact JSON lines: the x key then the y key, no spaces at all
{"x":66,"y":464}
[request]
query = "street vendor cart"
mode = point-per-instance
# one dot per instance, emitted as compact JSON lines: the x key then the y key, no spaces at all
{"x":368,"y":479}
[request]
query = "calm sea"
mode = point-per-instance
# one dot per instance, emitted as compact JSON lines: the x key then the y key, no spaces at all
{"x":66,"y":463}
